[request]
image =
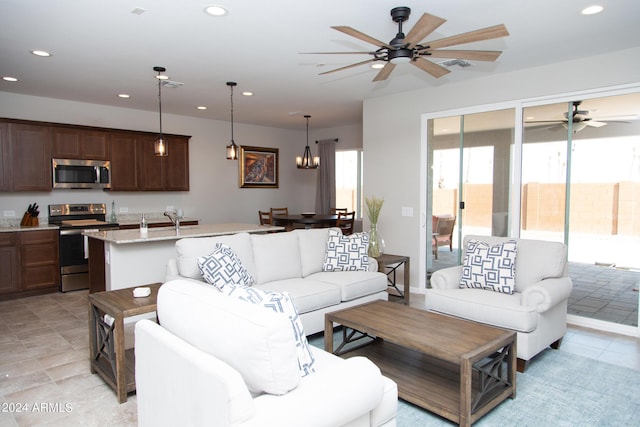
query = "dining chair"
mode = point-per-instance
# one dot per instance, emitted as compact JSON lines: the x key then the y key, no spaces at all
{"x":334,"y":211}
{"x":265,"y":218}
{"x":345,"y":222}
{"x":279,"y":211}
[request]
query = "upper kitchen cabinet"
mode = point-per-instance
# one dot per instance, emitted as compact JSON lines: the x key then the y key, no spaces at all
{"x":79,"y":143}
{"x":5,"y":162}
{"x":30,"y":156}
{"x":167,"y":173}
{"x":124,"y":161}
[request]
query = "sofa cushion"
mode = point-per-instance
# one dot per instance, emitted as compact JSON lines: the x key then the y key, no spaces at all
{"x":346,"y":253}
{"x":223,"y":267}
{"x":276,"y":256}
{"x":280,"y":303}
{"x":188,"y":251}
{"x":489,"y":267}
{"x":256,"y":342}
{"x":313,"y":244}
{"x":491,"y":308}
{"x":353,"y":284}
{"x":308,"y":294}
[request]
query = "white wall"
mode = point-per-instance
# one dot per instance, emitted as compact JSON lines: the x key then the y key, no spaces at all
{"x":392,"y":132}
{"x":214,"y":195}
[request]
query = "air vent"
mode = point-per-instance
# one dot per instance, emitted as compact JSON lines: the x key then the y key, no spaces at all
{"x":450,"y":63}
{"x":171,"y":84}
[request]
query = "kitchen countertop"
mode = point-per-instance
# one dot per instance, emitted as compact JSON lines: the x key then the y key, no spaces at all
{"x":14,"y":228}
{"x":153,"y":220}
{"x":120,"y":237}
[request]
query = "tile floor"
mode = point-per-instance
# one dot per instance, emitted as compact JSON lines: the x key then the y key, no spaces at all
{"x":44,"y":367}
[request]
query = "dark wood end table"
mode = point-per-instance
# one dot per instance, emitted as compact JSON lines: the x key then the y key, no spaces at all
{"x":393,"y":262}
{"x":109,"y":358}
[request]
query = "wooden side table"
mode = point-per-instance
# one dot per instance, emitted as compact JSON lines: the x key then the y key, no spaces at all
{"x":109,"y":358}
{"x":393,"y":262}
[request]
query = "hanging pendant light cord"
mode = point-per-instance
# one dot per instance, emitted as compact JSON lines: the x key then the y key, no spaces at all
{"x":231,"y":112}
{"x":160,"y":101}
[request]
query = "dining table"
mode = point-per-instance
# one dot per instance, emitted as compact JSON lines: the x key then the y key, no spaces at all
{"x":307,"y":220}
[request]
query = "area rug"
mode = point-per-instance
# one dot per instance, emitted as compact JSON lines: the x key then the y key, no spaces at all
{"x":557,"y":389}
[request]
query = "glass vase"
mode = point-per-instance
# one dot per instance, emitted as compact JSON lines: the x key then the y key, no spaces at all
{"x":376,"y":245}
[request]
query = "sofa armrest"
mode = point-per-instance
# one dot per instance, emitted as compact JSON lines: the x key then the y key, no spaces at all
{"x":177,"y":384}
{"x":172,"y":267}
{"x":547,"y":293}
{"x":446,"y":278}
{"x":346,"y":391}
{"x":373,"y":264}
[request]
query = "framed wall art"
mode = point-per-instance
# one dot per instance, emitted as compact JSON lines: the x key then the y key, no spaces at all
{"x":259,"y":167}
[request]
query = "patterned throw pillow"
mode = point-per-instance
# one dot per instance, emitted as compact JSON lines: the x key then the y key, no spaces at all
{"x":346,"y":253}
{"x":489,"y":267}
{"x":223,"y":268}
{"x":280,"y":303}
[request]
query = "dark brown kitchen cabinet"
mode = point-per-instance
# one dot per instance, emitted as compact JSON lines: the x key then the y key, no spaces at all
{"x":79,"y":143}
{"x":9,"y":264}
{"x":29,"y":263}
{"x":5,"y":161}
{"x":168,"y":173}
{"x":39,"y":260}
{"x":30,"y":148}
{"x":124,"y":161}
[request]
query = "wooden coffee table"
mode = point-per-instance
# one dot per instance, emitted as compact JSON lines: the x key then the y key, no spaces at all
{"x":457,"y":369}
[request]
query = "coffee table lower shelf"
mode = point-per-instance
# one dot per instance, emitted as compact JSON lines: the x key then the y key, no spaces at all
{"x":428,"y":382}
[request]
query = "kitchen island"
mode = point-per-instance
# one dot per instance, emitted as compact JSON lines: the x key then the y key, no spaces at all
{"x":121,"y":259}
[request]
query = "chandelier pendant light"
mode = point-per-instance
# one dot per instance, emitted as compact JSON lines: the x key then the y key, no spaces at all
{"x":160,"y":147}
{"x":307,"y":161}
{"x":232,"y":149}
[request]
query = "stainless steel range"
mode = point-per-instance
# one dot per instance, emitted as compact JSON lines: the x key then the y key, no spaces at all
{"x":73,"y":219}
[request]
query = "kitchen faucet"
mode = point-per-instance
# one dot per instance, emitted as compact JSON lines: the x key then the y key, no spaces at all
{"x":175,"y":220}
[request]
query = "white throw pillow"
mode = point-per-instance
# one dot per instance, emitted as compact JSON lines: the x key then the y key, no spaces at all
{"x":280,"y":303}
{"x":489,"y":267}
{"x":346,"y":253}
{"x":223,"y":267}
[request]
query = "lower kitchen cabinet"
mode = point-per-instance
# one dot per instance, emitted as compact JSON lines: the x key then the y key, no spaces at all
{"x":29,"y":263}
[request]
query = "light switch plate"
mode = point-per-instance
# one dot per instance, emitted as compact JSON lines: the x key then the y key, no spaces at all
{"x":9,"y":214}
{"x":124,"y":209}
{"x":407,"y":211}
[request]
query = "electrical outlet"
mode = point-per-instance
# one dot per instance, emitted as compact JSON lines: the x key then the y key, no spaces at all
{"x":170,"y":208}
{"x":124,"y":210}
{"x":9,"y":214}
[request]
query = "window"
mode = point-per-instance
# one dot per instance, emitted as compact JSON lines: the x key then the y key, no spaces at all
{"x":349,"y":181}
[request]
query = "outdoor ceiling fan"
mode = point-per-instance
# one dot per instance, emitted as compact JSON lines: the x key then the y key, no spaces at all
{"x":412,"y":49}
{"x":580,"y":120}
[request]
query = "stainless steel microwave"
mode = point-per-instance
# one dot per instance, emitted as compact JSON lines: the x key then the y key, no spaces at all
{"x":72,"y":173}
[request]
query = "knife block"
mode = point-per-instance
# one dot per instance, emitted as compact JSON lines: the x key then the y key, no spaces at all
{"x":29,"y":221}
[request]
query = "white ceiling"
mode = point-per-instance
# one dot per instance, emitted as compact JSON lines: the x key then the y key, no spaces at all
{"x":101,"y":49}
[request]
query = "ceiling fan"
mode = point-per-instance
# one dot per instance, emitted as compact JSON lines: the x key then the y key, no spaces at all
{"x":412,"y":49}
{"x":580,"y":119}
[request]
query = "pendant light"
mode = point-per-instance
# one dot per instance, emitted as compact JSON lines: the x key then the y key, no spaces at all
{"x":306,"y":161}
{"x":160,"y":146}
{"x":232,"y":149}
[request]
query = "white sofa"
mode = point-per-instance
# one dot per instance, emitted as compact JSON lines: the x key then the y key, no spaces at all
{"x":288,"y":262}
{"x":537,"y":310}
{"x":194,"y":369}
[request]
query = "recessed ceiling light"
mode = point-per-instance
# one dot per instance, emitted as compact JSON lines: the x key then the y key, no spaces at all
{"x":41,"y":53}
{"x":592,"y":10}
{"x":123,"y":95}
{"x":9,"y":79}
{"x":215,"y":10}
{"x":247,"y":93}
{"x":377,"y":65}
{"x":201,"y":107}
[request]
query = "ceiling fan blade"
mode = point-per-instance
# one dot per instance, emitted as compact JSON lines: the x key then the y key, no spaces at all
{"x":594,"y":123}
{"x":384,"y":72}
{"x":472,"y":36}
{"x":361,"y":36}
{"x":335,"y":53}
{"x":435,"y":70}
{"x":347,"y":67}
{"x":474,"y":55}
{"x":426,"y":25}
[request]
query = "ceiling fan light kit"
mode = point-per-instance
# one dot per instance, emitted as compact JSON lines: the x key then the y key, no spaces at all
{"x":410,"y":48}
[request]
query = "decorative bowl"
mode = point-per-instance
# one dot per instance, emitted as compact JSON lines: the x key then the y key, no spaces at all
{"x":308,"y":214}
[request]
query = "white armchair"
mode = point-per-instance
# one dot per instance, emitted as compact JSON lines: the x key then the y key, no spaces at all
{"x":537,"y":310}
